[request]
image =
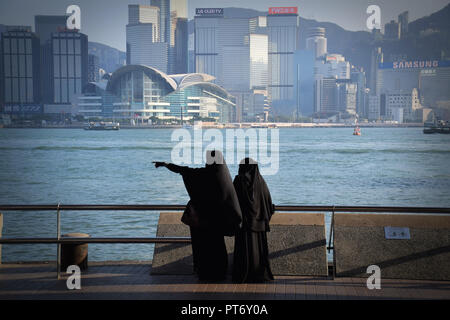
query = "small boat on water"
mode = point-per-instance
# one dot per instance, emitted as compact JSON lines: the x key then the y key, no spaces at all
{"x":357,"y":131}
{"x":436,"y":127}
{"x":102,"y":126}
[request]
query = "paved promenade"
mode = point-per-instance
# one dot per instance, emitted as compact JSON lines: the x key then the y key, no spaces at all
{"x":132,"y":280}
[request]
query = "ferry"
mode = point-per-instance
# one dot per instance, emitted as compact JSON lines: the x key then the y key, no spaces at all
{"x":357,"y":131}
{"x":440,"y":126}
{"x":102,"y":126}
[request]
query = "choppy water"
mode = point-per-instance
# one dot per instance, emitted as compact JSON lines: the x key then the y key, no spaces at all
{"x":327,"y":166}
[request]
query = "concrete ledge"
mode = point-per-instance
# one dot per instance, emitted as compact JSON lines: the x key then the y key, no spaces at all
{"x":297,"y":245}
{"x":359,"y":241}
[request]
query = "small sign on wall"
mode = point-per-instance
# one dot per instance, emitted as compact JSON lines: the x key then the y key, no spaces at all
{"x":397,"y":233}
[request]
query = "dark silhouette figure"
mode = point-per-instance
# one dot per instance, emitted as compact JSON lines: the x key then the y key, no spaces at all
{"x":212,"y":213}
{"x":251,"y":254}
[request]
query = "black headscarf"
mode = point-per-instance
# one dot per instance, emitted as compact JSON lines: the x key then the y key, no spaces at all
{"x":254,"y":197}
{"x":213,"y":197}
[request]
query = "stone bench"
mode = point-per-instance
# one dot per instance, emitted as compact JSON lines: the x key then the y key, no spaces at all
{"x":360,"y":240}
{"x":297,"y":245}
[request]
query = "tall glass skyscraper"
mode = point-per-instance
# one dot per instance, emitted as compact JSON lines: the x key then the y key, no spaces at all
{"x":20,"y":55}
{"x":70,"y":65}
{"x":258,"y":60}
{"x":143,"y":38}
{"x":282,"y":29}
{"x":316,"y":41}
{"x":173,"y":31}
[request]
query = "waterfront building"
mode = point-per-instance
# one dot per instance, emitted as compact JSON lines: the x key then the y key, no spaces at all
{"x":234,"y":51}
{"x":430,"y":77}
{"x":304,"y":82}
{"x":283,"y":37}
{"x":375,"y":60}
{"x":326,"y":95}
{"x":401,"y":105}
{"x":143,"y":93}
{"x":331,"y":68}
{"x":258,"y":54}
{"x":20,"y":72}
{"x":69,"y":55}
{"x":316,"y":41}
{"x":143,"y":38}
{"x":45,"y":25}
{"x":403,"y":20}
{"x":173,"y":31}
{"x":392,"y":30}
{"x":332,"y":65}
{"x":347,"y":93}
{"x":358,"y":76}
{"x":93,"y":68}
{"x":374,"y":108}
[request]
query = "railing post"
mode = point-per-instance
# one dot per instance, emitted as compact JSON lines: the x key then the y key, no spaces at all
{"x":329,"y":241}
{"x":58,"y":235}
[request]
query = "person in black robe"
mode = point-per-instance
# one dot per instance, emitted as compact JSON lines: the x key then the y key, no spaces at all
{"x":251,"y":253}
{"x":212,"y":213}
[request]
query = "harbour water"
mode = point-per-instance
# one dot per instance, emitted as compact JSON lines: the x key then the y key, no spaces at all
{"x":326,"y":166}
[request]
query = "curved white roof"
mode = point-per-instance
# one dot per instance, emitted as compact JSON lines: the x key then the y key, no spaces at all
{"x":146,"y":69}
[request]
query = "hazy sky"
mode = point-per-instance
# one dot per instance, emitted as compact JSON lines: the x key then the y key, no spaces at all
{"x":104,"y":20}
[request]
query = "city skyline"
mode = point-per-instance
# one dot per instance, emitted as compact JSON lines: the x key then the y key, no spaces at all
{"x":104,"y":21}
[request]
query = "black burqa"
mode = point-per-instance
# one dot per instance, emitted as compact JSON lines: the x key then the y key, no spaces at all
{"x":212,"y":213}
{"x":251,"y":253}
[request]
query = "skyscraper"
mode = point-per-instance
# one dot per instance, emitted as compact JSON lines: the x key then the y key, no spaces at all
{"x":403,"y":20}
{"x":316,"y":41}
{"x":222,"y":49}
{"x":258,"y":60}
{"x":20,"y":57}
{"x":392,"y":30}
{"x":173,"y":31}
{"x":70,"y":65}
{"x":304,"y":82}
{"x":359,"y":77}
{"x":282,"y":29}
{"x":45,"y":25}
{"x":143,"y":38}
{"x":93,"y":68}
{"x":235,"y":51}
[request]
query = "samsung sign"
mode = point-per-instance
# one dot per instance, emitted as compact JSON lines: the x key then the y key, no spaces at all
{"x":209,"y":11}
{"x":23,"y":108}
{"x":415,"y":64}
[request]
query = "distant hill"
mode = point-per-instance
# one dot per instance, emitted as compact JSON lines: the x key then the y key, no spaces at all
{"x":427,"y":38}
{"x":355,"y":46}
{"x":109,"y":58}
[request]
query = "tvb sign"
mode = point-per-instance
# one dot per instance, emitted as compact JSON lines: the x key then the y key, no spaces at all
{"x":74,"y":17}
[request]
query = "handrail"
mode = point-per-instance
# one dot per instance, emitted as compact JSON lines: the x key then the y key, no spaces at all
{"x":94,"y":240}
{"x":179,"y":207}
{"x":142,"y":207}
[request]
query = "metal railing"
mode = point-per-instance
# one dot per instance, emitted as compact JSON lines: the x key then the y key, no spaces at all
{"x":89,"y":207}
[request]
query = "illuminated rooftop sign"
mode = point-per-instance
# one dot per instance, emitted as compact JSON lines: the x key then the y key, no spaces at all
{"x":415,"y":64}
{"x":209,"y":11}
{"x":283,"y":10}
